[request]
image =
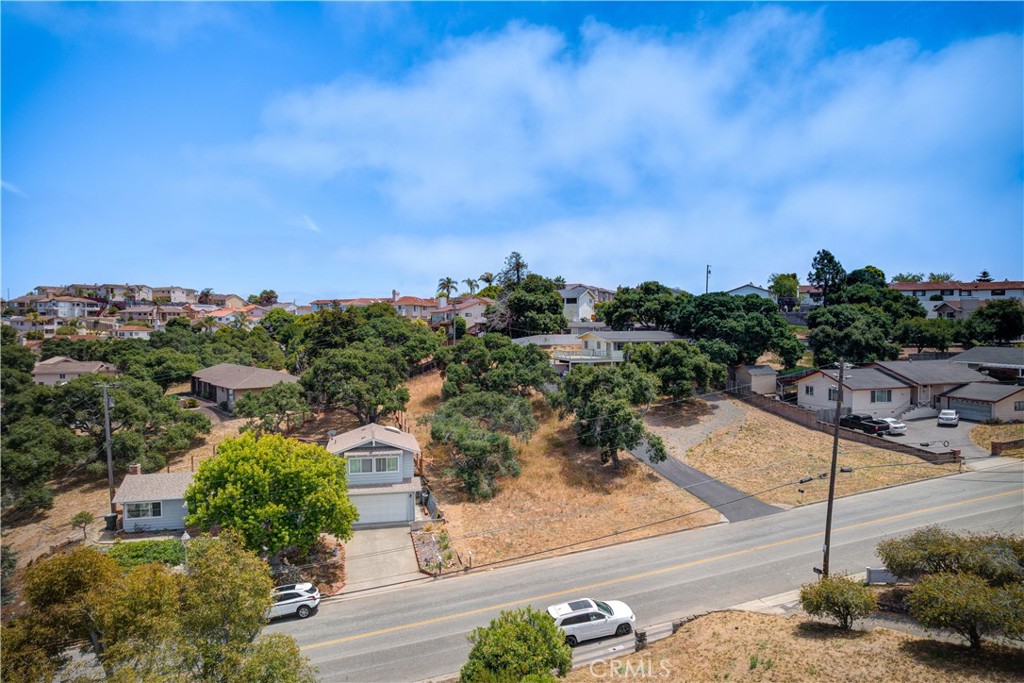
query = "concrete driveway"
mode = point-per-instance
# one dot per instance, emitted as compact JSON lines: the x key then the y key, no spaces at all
{"x":926,"y":431}
{"x":376,"y":558}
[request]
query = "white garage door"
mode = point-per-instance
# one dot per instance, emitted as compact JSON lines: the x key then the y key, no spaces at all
{"x":379,"y":509}
{"x":971,"y":410}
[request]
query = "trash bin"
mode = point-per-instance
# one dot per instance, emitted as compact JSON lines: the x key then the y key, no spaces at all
{"x":111,"y":520}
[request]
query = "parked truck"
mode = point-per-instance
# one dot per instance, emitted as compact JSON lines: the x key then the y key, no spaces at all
{"x":865,"y":423}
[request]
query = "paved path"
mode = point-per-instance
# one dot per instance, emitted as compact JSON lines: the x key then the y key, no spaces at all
{"x":733,"y":504}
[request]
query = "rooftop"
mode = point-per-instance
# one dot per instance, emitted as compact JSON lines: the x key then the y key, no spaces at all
{"x":865,"y":378}
{"x":923,"y":372}
{"x":373,"y":434}
{"x":231,"y":376}
{"x":995,"y":356}
{"x":158,"y":486}
{"x":987,"y":392}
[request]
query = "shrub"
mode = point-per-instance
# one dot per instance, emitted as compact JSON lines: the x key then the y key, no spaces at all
{"x":968,"y":606}
{"x":190,"y":403}
{"x":170,"y":552}
{"x":519,"y":645}
{"x":932,"y":550}
{"x":839,"y":597}
{"x":8,"y":563}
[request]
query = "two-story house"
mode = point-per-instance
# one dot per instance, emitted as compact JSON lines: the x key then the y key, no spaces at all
{"x":469,"y":308}
{"x":67,"y":307}
{"x":60,"y":370}
{"x":961,"y":299}
{"x":175,"y":295}
{"x":578,"y":303}
{"x":608,"y":346}
{"x":382,"y":464}
{"x":413,"y":307}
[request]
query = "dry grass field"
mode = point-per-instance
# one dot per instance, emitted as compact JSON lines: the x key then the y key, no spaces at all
{"x":764,"y":454}
{"x":984,"y":435}
{"x":746,"y":646}
{"x":564,"y":500}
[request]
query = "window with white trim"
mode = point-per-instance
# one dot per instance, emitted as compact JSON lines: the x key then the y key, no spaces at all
{"x":1018,"y":405}
{"x":379,"y":465}
{"x":808,"y":390}
{"x":833,"y":394}
{"x":881,"y":396}
{"x":143,"y":510}
{"x":386,"y":464}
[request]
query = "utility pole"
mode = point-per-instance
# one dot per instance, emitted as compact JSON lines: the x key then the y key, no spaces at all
{"x":707,"y":278}
{"x":832,"y":473}
{"x":110,"y":457}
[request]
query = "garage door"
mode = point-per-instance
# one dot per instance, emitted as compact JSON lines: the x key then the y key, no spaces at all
{"x":971,"y":410}
{"x":379,"y":509}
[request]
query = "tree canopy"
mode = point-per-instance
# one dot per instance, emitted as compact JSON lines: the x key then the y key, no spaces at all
{"x":267,"y":409}
{"x":532,"y":306}
{"x":681,"y":367}
{"x":827,"y":274}
{"x":276,"y":492}
{"x":519,"y":645}
{"x":493,"y":362}
{"x":366,"y":379}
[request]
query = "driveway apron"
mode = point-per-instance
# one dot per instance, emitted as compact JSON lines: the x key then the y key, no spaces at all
{"x":380,"y":557}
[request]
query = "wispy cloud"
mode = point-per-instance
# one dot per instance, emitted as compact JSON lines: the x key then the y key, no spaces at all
{"x":12,"y":188}
{"x":309,"y":224}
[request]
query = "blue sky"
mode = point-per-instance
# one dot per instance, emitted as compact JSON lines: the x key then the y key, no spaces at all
{"x":347,"y":149}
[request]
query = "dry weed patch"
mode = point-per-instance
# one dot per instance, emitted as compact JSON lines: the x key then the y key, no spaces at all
{"x":984,"y":435}
{"x":765,"y":451}
{"x":746,"y":646}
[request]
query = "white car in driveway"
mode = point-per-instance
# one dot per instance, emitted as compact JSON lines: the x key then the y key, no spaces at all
{"x":896,"y":428}
{"x":948,"y":418}
{"x":586,"y":619}
{"x":299,"y":599}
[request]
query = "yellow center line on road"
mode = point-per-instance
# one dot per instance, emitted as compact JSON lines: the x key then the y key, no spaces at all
{"x":643,"y":575}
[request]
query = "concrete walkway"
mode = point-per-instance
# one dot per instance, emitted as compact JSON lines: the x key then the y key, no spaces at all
{"x":731,"y":503}
{"x":380,"y":557}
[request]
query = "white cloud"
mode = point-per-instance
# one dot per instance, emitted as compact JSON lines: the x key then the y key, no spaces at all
{"x":308,"y":223}
{"x":12,"y":188}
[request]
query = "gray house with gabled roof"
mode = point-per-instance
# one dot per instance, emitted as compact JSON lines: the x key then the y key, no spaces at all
{"x":381,"y":466}
{"x":929,"y":378}
{"x":153,"y":502}
{"x":1006,"y":362}
{"x":227,"y":382}
{"x":987,"y":401}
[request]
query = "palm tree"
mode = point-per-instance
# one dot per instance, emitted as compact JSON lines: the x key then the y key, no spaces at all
{"x":447,"y":285}
{"x":470,"y":285}
{"x":204,"y":296}
{"x":487,"y":278}
{"x":559,"y":282}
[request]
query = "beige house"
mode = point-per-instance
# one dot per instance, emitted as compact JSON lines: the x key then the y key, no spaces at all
{"x":986,"y":401}
{"x":608,"y":346}
{"x":227,"y":382}
{"x":60,"y":370}
{"x":176,"y":295}
{"x":132,"y":332}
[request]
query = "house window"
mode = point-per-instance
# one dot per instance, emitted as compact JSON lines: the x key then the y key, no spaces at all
{"x":808,"y":390}
{"x":360,"y":466}
{"x":571,"y":301}
{"x":388,"y":464}
{"x":881,"y":396}
{"x":919,"y":292}
{"x":140,"y":510}
{"x":998,"y":292}
{"x":62,"y":376}
{"x":833,"y":394}
{"x":1018,"y":405}
{"x":966,"y":292}
{"x":947,"y":292}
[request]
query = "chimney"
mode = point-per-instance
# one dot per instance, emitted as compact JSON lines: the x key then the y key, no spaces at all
{"x":394,"y":295}
{"x":442,"y":301}
{"x":135,"y":468}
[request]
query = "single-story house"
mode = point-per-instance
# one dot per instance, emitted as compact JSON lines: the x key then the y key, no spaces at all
{"x":607,"y":346}
{"x":751,"y":288}
{"x":1004,"y":362}
{"x":382,"y":481}
{"x":227,"y":382}
{"x":153,"y":502}
{"x":986,"y":401}
{"x":753,"y":379}
{"x":60,"y":370}
{"x":865,"y":390}
{"x":929,"y":378}
{"x":132,"y":332}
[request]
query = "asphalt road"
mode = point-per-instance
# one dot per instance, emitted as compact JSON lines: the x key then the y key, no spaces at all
{"x":419,"y":632}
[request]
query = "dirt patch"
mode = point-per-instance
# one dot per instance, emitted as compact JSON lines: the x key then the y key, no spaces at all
{"x":744,"y":646}
{"x":766,"y":455}
{"x":564,"y":499}
{"x":984,"y":435}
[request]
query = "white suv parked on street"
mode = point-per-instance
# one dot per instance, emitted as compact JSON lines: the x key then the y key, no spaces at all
{"x":299,"y":599}
{"x":586,"y":619}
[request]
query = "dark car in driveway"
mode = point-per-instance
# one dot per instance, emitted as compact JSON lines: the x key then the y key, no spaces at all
{"x":865,"y":423}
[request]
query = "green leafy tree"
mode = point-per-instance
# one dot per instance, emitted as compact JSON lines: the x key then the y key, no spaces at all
{"x":999,"y":321}
{"x":267,"y":297}
{"x":279,"y":324}
{"x":681,"y":367}
{"x":472,"y":429}
{"x":267,"y":409}
{"x":857,"y":334}
{"x":533,"y":306}
{"x":275,"y":658}
{"x":908,"y":277}
{"x":331,"y":329}
{"x":786,"y":288}
{"x":826,"y":274}
{"x":932,"y":550}
{"x":868,"y":275}
{"x":366,"y":381}
{"x":514,"y":272}
{"x":603,"y":401}
{"x":839,"y":597}
{"x":649,"y":304}
{"x":940,"y":277}
{"x":930,"y":333}
{"x":415,"y":342}
{"x":276,"y":492}
{"x":493,"y":362}
{"x":984,"y":276}
{"x":8,"y":563}
{"x":964,"y":603}
{"x":204,"y":296}
{"x":750,"y":325}
{"x":519,"y":645}
{"x":82,"y":520}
